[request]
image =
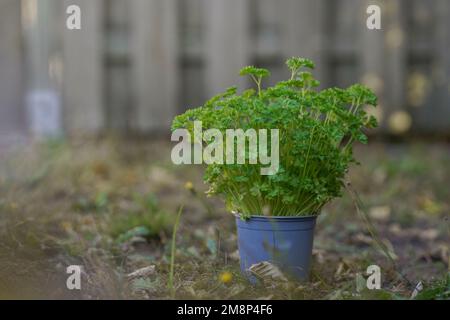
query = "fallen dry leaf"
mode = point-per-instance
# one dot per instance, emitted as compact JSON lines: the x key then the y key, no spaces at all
{"x":319,"y":255}
{"x":267,"y":271}
{"x":429,"y":234}
{"x":380,"y":213}
{"x":417,"y":289}
{"x":143,"y":272}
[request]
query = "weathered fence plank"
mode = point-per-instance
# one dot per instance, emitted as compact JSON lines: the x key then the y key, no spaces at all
{"x":395,"y":59}
{"x":303,"y":32}
{"x":227,"y":43}
{"x":12,"y":117}
{"x":431,"y":78}
{"x":44,"y":63}
{"x":154,"y":45}
{"x":265,"y":47}
{"x":341,"y":38}
{"x":83,"y":70}
{"x":118,"y":84}
{"x":192,"y":17}
{"x":371,"y":44}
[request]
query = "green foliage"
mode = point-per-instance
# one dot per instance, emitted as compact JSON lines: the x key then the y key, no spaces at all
{"x":440,"y":290}
{"x":317,"y":132}
{"x":296,"y":63}
{"x":140,"y":231}
{"x":147,"y":221}
{"x":256,"y":72}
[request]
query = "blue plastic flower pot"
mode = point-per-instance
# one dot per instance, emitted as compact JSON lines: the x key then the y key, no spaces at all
{"x":283,"y":241}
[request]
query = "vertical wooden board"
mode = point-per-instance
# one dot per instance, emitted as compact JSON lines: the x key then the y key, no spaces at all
{"x":266,"y":29}
{"x":395,"y":38}
{"x":372,"y":59}
{"x":345,"y":24}
{"x":118,"y":13}
{"x":267,"y":14}
{"x":303,"y":28}
{"x":420,"y":91}
{"x":420,"y":20}
{"x":42,"y":22}
{"x":227,"y":44}
{"x":342,"y":31}
{"x":191,"y":17}
{"x":117,"y":65}
{"x":192,"y":91}
{"x":443,"y":61}
{"x":191,"y":20}
{"x":429,"y":77}
{"x":83,"y":70}
{"x":370,"y":42}
{"x":343,"y":72}
{"x":118,"y":98}
{"x":155,"y":63}
{"x":266,"y":38}
{"x":117,"y":19}
{"x":191,"y":29}
{"x":12,"y":118}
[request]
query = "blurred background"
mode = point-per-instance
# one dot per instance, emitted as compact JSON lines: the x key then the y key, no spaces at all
{"x":85,"y":171}
{"x":135,"y":64}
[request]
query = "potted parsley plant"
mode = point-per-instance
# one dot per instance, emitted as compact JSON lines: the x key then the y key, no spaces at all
{"x":276,"y":213}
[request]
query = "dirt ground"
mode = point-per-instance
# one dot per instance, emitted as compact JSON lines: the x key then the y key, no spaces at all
{"x":109,"y":205}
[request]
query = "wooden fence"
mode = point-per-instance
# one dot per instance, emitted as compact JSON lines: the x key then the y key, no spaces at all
{"x":11,"y":113}
{"x":136,"y":63}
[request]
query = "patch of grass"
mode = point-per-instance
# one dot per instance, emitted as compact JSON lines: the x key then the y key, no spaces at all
{"x":88,"y":202}
{"x":438,"y":290}
{"x":410,"y":164}
{"x":149,"y":216}
{"x":99,"y":203}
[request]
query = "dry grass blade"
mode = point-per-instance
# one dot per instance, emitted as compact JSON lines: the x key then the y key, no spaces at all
{"x":173,"y":250}
{"x":372,"y":230}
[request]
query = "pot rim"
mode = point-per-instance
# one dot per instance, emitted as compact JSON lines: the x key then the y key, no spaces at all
{"x":265,"y":218}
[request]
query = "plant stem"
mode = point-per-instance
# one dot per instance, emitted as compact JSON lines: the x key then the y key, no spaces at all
{"x":172,"y":251}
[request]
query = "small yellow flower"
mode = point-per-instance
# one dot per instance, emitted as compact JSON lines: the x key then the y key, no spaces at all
{"x":226,"y":277}
{"x":189,"y":186}
{"x":67,"y":226}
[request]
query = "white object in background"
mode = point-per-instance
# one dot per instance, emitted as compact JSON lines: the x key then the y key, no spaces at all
{"x":44,"y":113}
